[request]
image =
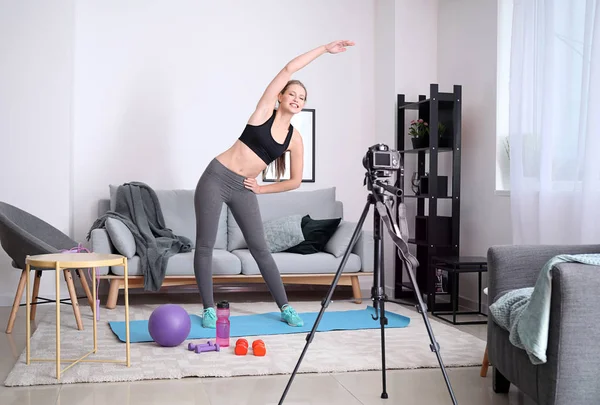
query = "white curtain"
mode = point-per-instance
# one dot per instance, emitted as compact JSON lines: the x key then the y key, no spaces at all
{"x":554,"y":124}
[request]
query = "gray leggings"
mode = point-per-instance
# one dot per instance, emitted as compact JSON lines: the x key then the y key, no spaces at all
{"x":216,"y":186}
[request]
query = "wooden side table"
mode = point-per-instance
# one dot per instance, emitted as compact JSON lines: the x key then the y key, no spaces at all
{"x":61,"y":261}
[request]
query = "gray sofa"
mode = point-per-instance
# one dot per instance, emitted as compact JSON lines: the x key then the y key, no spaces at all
{"x":232,"y":261}
{"x":570,"y":376}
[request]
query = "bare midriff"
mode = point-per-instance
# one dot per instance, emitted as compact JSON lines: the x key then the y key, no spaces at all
{"x":242,"y":160}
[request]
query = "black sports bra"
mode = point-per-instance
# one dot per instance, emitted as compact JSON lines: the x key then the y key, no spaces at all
{"x":259,"y":139}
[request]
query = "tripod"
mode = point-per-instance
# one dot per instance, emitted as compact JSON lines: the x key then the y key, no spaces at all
{"x":381,"y":214}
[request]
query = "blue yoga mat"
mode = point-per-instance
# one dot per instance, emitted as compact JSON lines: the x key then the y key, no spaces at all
{"x":270,"y":324}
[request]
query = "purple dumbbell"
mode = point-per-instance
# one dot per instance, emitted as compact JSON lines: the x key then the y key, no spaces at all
{"x":192,"y":347}
{"x":212,"y":348}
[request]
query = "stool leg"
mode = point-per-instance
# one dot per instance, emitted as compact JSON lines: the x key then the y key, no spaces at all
{"x":485,"y":363}
{"x":86,"y":288}
{"x":27,"y":316}
{"x":17,"y":301}
{"x":74,"y":302}
{"x":57,"y":281}
{"x":36,"y":291}
{"x":94,"y":309}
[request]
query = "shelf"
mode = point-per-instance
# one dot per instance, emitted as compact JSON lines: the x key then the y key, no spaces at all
{"x":425,"y":196}
{"x":409,"y":286}
{"x":444,"y":103}
{"x":427,"y":150}
{"x":425,"y":243}
{"x":412,"y":105}
{"x":433,"y":234}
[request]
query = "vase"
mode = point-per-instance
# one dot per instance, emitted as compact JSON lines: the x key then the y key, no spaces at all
{"x":420,"y":142}
{"x":445,"y":142}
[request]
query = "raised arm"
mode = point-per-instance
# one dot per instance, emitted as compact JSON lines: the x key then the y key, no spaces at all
{"x":269,"y":98}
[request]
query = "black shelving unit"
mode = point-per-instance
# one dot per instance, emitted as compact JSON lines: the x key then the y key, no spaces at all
{"x":433,"y":234}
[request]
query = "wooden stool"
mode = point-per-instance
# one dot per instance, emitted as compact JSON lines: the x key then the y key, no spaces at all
{"x":485,"y":363}
{"x":62,"y":261}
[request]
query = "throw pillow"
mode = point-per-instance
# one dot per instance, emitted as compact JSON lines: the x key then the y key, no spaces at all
{"x":283,"y":233}
{"x":340,"y":240}
{"x":121,"y":237}
{"x":317,"y":233}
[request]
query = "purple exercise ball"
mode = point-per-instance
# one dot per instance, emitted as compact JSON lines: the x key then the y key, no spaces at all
{"x":169,"y":325}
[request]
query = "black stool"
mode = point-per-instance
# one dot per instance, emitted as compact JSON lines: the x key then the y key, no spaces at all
{"x":455,"y":266}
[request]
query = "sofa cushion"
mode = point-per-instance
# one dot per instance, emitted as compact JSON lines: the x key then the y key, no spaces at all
{"x":292,"y":263}
{"x":317,"y":233}
{"x":284,"y":232}
{"x":319,"y":204}
{"x":340,"y":240}
{"x":182,"y":264}
{"x":121,"y":237}
{"x":180,"y":216}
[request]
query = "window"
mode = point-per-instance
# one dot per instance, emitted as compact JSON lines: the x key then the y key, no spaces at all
{"x":552,"y":91}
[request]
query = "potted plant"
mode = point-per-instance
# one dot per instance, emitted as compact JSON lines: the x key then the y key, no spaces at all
{"x":419,"y":132}
{"x":444,"y":141}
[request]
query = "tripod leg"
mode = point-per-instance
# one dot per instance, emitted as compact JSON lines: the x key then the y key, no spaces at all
{"x":435,"y":347}
{"x":383,"y":322}
{"x":327,"y":300}
{"x":378,"y":294}
{"x":410,"y":261}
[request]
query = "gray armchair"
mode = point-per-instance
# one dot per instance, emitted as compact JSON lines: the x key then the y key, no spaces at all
{"x":23,"y":234}
{"x":570,"y":376}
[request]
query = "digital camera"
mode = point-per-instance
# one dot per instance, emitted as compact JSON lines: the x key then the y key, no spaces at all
{"x":380,"y":157}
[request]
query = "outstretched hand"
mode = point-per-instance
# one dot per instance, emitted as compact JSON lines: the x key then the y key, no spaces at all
{"x":338,"y":46}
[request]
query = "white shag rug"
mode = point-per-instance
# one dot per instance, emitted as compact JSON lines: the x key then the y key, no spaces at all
{"x":337,"y":351}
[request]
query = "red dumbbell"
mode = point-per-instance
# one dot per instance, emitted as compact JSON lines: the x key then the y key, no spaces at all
{"x":259,"y":348}
{"x":241,"y":347}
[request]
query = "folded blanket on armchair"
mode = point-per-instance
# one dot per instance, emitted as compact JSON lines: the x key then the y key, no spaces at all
{"x":525,"y":312}
{"x":138,"y":208}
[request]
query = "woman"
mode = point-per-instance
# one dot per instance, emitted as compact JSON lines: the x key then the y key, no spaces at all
{"x":231,"y":178}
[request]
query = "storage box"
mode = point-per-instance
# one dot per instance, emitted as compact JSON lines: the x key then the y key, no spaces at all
{"x":442,"y":234}
{"x":442,"y":186}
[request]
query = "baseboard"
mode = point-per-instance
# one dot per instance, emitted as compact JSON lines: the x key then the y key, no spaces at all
{"x":6,"y":300}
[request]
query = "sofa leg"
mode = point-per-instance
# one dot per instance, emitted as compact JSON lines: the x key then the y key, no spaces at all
{"x":356,"y":290}
{"x":113,"y":293}
{"x":501,"y":384}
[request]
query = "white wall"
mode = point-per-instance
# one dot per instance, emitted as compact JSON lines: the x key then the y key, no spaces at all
{"x":158,"y":91}
{"x":467,"y":56}
{"x":415,"y":67}
{"x":385,"y":115}
{"x":35,"y":124}
{"x":161,"y":90}
{"x":104,"y":79}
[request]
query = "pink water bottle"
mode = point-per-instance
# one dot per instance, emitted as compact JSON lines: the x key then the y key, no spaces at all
{"x":223,"y":324}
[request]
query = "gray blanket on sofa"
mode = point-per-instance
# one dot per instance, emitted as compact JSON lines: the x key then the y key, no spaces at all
{"x":138,"y":208}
